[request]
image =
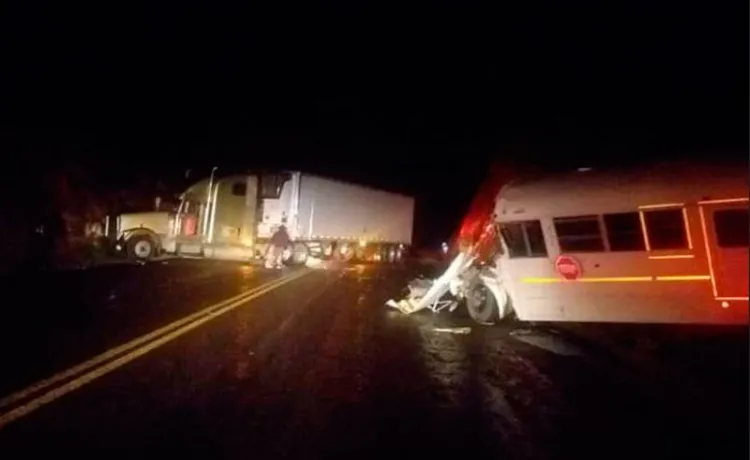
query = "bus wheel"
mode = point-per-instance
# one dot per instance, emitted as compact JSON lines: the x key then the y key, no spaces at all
{"x":483,"y":307}
{"x":141,"y":247}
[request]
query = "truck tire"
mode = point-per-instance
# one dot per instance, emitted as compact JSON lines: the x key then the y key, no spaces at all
{"x":391,"y":254}
{"x":299,"y":254}
{"x":328,"y":251}
{"x":141,"y":247}
{"x":347,"y":255}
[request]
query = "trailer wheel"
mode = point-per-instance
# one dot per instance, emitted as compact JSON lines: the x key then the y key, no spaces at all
{"x":298,"y":254}
{"x":141,"y":247}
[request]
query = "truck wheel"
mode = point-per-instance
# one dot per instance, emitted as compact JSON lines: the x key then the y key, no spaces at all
{"x":347,"y":255}
{"x":299,"y":254}
{"x":329,"y":250}
{"x":141,"y":247}
{"x":391,"y":251}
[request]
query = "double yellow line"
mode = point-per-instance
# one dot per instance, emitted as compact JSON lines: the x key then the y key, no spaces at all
{"x":79,"y":375}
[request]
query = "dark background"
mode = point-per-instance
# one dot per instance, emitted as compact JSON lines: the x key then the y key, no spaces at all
{"x":417,"y":99}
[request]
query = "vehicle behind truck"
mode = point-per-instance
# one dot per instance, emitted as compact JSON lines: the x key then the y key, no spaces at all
{"x":233,"y":217}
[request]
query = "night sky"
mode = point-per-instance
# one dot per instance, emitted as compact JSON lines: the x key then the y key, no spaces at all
{"x":417,"y":100}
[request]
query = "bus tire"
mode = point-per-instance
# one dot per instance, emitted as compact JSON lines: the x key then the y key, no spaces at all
{"x":141,"y":247}
{"x":483,"y":307}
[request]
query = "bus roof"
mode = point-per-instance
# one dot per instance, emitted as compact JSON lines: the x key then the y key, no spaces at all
{"x":597,"y":191}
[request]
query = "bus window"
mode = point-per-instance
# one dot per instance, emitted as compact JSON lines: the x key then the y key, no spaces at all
{"x":624,"y":232}
{"x":524,"y":239}
{"x":579,"y":234}
{"x":666,"y":229}
{"x":537,"y":246}
{"x":732,"y":228}
{"x":513,"y":236}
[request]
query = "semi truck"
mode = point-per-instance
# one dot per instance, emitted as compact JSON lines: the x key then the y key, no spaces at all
{"x":234,"y":216}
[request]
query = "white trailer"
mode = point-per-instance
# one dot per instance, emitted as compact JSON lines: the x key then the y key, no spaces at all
{"x":234,"y":217}
{"x":328,"y":216}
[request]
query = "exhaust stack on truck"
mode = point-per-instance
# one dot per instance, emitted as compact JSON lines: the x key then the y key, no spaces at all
{"x":233,"y":217}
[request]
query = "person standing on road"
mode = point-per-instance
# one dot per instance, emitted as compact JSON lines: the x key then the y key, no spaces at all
{"x":280,"y":240}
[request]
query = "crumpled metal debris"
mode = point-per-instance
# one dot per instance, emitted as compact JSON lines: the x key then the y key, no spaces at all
{"x":426,"y":293}
{"x":405,"y":306}
{"x":418,"y":287}
{"x":445,"y":292}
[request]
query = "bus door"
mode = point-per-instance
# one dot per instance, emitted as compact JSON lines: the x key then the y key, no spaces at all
{"x":725,"y":224}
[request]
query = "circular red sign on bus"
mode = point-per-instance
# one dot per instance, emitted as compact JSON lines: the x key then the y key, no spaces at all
{"x":568,"y":267}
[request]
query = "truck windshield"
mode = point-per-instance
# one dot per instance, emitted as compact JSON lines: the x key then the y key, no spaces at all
{"x":272,"y":184}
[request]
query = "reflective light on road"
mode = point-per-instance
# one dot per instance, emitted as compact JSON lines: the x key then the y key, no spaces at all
{"x":246,"y":270}
{"x":446,"y":361}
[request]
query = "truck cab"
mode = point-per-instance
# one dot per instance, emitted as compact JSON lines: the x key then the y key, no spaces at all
{"x":232,"y":216}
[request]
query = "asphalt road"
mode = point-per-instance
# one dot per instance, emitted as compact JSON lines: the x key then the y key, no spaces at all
{"x":319,"y":368}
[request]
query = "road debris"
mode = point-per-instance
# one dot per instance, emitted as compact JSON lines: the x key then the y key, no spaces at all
{"x":446,"y":291}
{"x":427,"y":293}
{"x":405,"y":306}
{"x":453,"y":330}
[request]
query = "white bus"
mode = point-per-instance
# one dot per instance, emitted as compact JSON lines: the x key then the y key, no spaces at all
{"x":663,"y":244}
